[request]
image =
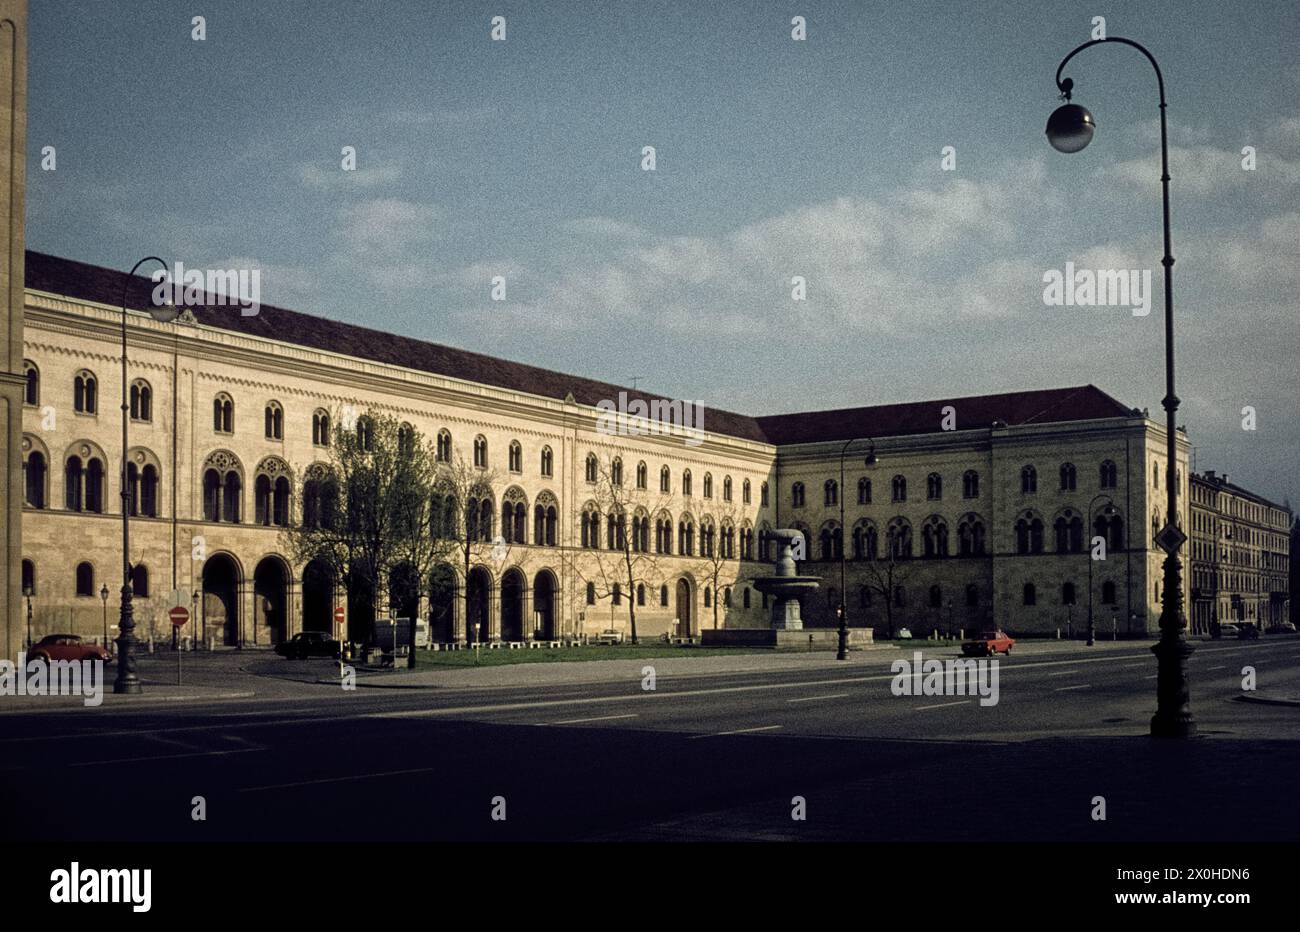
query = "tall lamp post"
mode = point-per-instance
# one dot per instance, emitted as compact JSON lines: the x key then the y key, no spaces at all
{"x":843,"y":652}
{"x":127,"y":681}
{"x":1069,"y":129}
{"x":103,"y":597}
{"x":1108,"y":510}
{"x":28,"y":592}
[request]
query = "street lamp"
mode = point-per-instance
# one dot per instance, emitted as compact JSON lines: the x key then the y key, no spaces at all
{"x":1069,"y":129}
{"x":127,"y":681}
{"x":28,"y":592}
{"x":103,"y":597}
{"x":843,"y":652}
{"x":1108,"y":510}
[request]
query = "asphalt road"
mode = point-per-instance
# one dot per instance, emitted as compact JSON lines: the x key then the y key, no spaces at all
{"x":700,"y":757}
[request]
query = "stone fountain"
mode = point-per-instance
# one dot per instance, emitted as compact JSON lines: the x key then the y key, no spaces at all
{"x":786,"y":585}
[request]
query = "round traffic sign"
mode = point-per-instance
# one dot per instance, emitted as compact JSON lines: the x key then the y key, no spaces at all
{"x":340,"y":615}
{"x":179,"y":615}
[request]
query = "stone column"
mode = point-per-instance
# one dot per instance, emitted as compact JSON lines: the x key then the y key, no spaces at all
{"x":13,"y":257}
{"x":494,"y":613}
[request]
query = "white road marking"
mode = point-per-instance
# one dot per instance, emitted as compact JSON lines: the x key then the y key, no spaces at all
{"x":1151,"y":677}
{"x":134,"y":760}
{"x":1222,"y":666}
{"x":815,"y":698}
{"x":598,"y":718}
{"x":359,"y":776}
{"x":1064,"y":673}
{"x":942,"y":705}
{"x":1064,"y":688}
{"x":738,"y":731}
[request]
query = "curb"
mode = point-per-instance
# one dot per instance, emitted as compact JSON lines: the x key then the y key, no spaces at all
{"x":122,"y":703}
{"x":1266,"y":700}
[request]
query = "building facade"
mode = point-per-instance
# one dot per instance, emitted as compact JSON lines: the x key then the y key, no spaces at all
{"x":1241,"y":555}
{"x":1026,"y":511}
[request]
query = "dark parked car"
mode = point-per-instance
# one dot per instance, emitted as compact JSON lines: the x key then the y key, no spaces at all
{"x":308,"y":644}
{"x":66,"y":647}
{"x":988,"y":644}
{"x":1248,"y":632}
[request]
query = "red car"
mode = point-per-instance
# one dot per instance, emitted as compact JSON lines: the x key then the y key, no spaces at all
{"x":66,"y":647}
{"x":988,"y":644}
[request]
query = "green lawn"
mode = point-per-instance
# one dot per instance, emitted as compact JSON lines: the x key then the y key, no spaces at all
{"x":499,"y":657}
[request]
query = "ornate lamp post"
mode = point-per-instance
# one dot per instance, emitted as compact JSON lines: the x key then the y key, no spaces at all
{"x":1108,"y":510}
{"x":843,"y":651}
{"x":127,"y":681}
{"x":1069,"y":129}
{"x":28,"y":592}
{"x":103,"y":597}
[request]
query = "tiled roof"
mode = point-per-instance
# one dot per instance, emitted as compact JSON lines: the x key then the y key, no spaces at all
{"x":1042,"y":406}
{"x":93,"y":283}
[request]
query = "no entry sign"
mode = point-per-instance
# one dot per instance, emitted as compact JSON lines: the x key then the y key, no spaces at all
{"x":339,"y":615}
{"x":179,"y":615}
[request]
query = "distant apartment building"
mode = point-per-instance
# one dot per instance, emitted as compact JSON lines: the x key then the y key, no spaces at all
{"x":1240,"y":555}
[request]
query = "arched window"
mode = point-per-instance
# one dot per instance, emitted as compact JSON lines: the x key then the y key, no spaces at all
{"x":934,"y":537}
{"x":745,"y":493}
{"x":831,"y":492}
{"x":591,"y":593}
{"x":726,"y":488}
{"x":480,"y":452}
{"x":1068,"y":529}
{"x":230,"y":497}
{"x":406,"y":439}
{"x":617,"y":594}
{"x":1028,"y":480}
{"x":899,"y":536}
{"x":865,"y":543}
{"x":1068,"y":477}
{"x":1108,"y":474}
{"x":1030,"y":594}
{"x":366,"y":433}
{"x":933,"y":487}
{"x":708,"y":485}
{"x":900,"y":488}
{"x":320,"y":428}
{"x":665,"y":480}
{"x":640,"y":594}
{"x":85,"y":393}
{"x":970,"y":535}
{"x":274,"y":418}
{"x":664,"y":533}
{"x":686,"y":483}
{"x":515,"y":457}
{"x":970,"y":484}
{"x":85,"y":579}
{"x":832,"y":541}
{"x":936,"y":596}
{"x":726,"y":597}
{"x":797,"y":495}
{"x":616,"y":472}
{"x":72,"y":484}
{"x":1029,"y":534}
{"x":642,"y":475}
{"x":546,"y":514}
{"x":548,"y":462}
{"x":1110,"y":527}
{"x":708,"y":597}
{"x":972,"y":595}
{"x":514,"y":516}
{"x":140,"y":581}
{"x":864,"y":491}
{"x":593,"y":467}
{"x":223,"y":414}
{"x":763,"y":495}
{"x":141,"y":401}
{"x":35,"y":471}
{"x":590,"y":527}
{"x":1067,"y":593}
{"x":1155,"y":473}
{"x":1108,"y":593}
{"x":29,"y":578}
{"x":94,"y":500}
{"x":686,"y":537}
{"x":616,"y":530}
{"x":31,"y":383}
{"x":142,"y":489}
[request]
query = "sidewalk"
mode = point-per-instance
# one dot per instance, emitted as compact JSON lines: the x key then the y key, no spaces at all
{"x":564,"y":673}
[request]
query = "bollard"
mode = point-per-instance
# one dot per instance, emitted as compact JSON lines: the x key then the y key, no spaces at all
{"x":1058,"y":633}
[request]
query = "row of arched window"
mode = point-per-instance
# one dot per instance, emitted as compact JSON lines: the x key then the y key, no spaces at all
{"x":592,"y":475}
{"x":1067,"y":532}
{"x":84,"y":579}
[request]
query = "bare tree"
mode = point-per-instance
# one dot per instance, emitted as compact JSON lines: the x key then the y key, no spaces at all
{"x":464,"y":497}
{"x":889,"y":571}
{"x":369,"y":507}
{"x":718,"y":550}
{"x":615,"y":561}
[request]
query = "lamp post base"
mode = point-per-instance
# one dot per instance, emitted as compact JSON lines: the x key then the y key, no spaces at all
{"x":1173,"y":718}
{"x":842,"y":653}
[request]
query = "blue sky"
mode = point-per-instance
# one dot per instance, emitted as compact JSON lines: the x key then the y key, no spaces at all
{"x":775,"y":158}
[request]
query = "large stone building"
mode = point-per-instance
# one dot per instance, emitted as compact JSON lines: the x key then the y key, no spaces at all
{"x":989,"y":505}
{"x":1240,"y":554}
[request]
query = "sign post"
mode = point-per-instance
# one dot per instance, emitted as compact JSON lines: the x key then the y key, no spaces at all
{"x":340,"y":616}
{"x":179,"y":615}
